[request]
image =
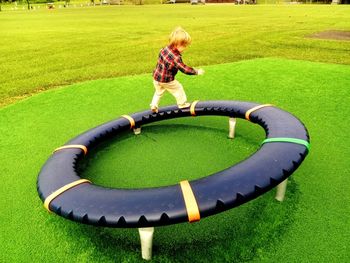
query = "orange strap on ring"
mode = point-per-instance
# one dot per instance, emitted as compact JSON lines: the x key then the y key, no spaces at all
{"x":247,"y":114}
{"x":193,"y":105}
{"x":190,"y":202}
{"x":83,"y":147}
{"x":61,"y":190}
{"x":130,"y":119}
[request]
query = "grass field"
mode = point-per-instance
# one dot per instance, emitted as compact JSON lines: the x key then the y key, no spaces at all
{"x":310,"y":226}
{"x":49,"y":48}
{"x":251,"y":53}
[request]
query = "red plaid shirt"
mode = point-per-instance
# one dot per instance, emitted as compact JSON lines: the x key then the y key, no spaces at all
{"x":169,"y":62}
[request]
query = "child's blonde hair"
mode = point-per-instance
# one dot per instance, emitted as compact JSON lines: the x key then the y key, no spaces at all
{"x":179,"y":37}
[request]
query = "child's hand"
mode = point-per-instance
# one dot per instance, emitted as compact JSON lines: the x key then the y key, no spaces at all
{"x":200,"y":71}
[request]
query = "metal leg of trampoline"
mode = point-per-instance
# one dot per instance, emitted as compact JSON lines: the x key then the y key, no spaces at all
{"x":137,"y":131}
{"x":232,"y":125}
{"x":146,"y":237}
{"x":281,"y":190}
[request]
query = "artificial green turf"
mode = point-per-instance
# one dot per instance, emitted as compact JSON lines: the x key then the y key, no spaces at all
{"x":176,"y":144}
{"x":310,"y":226}
{"x":43,"y":49}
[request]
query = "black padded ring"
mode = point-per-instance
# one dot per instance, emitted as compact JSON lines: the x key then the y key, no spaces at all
{"x":96,"y":205}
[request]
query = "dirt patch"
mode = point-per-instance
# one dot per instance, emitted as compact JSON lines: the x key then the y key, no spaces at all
{"x":332,"y":34}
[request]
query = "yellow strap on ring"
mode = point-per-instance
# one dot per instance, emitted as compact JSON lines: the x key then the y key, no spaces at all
{"x":83,"y":147}
{"x":61,"y":190}
{"x":247,"y":114}
{"x":130,"y":119}
{"x":193,"y":105}
{"x":190,"y":202}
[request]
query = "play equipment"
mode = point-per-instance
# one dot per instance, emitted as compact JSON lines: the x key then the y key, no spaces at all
{"x":66,"y":194}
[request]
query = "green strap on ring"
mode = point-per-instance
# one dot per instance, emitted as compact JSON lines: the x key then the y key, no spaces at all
{"x":292,"y":140}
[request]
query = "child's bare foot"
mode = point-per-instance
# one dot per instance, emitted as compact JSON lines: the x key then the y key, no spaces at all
{"x":185,"y":105}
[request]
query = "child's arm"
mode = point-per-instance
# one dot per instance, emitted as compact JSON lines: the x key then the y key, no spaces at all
{"x":200,"y":71}
{"x":184,"y":68}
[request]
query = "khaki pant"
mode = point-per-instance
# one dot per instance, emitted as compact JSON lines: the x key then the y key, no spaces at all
{"x":174,"y":87}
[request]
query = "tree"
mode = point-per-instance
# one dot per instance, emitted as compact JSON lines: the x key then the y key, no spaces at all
{"x":28,"y":4}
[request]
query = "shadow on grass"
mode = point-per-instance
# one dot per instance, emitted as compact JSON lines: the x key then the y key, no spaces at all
{"x":237,"y":235}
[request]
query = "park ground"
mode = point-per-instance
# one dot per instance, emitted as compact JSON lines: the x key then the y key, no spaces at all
{"x":64,"y":71}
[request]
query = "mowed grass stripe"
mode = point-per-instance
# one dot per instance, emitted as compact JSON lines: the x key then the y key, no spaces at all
{"x":50,"y":48}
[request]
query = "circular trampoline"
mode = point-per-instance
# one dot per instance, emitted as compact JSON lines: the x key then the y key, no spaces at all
{"x":65,"y":193}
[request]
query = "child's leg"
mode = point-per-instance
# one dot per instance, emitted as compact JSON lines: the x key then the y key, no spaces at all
{"x":176,"y":89}
{"x":157,"y":95}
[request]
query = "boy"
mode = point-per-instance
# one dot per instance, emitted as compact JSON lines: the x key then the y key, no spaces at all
{"x":169,"y":62}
